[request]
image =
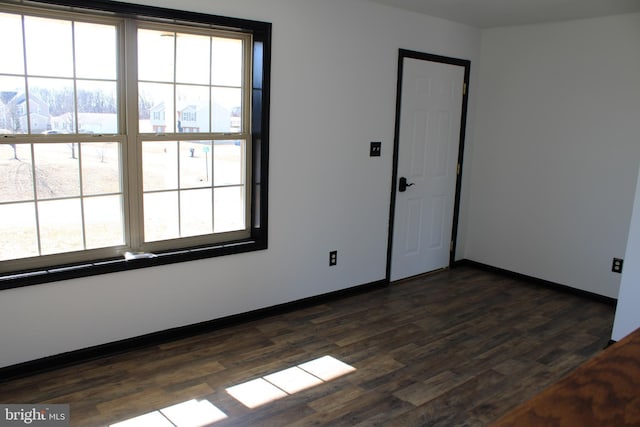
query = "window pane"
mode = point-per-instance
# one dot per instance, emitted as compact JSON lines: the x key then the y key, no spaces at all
{"x":11,"y":39}
{"x":96,"y":52}
{"x":13,"y":109}
{"x":159,"y":165}
{"x":57,"y":170}
{"x":155,"y":103}
{"x":51,"y":102}
{"x":18,"y":234}
{"x":196,"y":212}
{"x":97,"y":107}
{"x":228,"y":164}
{"x":226,"y":101}
{"x":192,"y":56}
{"x":103,"y":221}
{"x":16,"y":176}
{"x":101,"y":168}
{"x":155,"y":55}
{"x":195,"y":164}
{"x":226,"y":62}
{"x":229,"y":209}
{"x":60,"y":226}
{"x":193,"y":108}
{"x":49,"y":47}
{"x":161,"y":216}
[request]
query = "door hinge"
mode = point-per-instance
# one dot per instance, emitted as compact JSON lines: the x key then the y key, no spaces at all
{"x":451,"y":247}
{"x":464,"y":88}
{"x":458,"y":171}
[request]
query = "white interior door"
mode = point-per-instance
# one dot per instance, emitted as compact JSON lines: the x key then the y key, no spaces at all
{"x":428,"y":141}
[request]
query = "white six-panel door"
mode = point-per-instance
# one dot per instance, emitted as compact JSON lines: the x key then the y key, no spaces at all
{"x":429,"y":137}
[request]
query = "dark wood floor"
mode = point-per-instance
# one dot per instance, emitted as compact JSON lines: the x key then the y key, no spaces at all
{"x":455,"y":348}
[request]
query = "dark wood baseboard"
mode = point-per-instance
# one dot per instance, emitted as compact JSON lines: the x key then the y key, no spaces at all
{"x":109,"y":349}
{"x":541,"y":282}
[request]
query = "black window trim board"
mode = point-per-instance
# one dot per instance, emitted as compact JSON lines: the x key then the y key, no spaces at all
{"x":260,"y":97}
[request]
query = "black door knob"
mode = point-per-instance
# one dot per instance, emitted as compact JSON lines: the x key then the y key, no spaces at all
{"x":403,"y":184}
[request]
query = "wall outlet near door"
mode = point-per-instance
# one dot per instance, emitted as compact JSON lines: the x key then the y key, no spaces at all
{"x":333,"y":258}
{"x":616,"y":267}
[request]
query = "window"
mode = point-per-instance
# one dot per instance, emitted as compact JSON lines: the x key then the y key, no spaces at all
{"x":188,"y":116}
{"x":129,"y":134}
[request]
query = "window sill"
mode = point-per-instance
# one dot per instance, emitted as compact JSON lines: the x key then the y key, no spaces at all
{"x":86,"y":269}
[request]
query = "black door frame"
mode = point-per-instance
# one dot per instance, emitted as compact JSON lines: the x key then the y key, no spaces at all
{"x":402,"y":54}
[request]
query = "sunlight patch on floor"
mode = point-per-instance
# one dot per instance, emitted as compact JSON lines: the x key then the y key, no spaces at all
{"x":252,"y":394}
{"x":293,"y":380}
{"x":192,"y":413}
{"x":327,"y":368}
{"x":154,"y":418}
{"x":258,"y":392}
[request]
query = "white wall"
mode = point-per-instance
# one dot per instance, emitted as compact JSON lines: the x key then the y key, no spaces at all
{"x":333,"y":91}
{"x":556,"y":151}
{"x":627,"y":314}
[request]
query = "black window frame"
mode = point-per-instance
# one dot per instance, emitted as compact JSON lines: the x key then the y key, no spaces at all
{"x":260,"y":96}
